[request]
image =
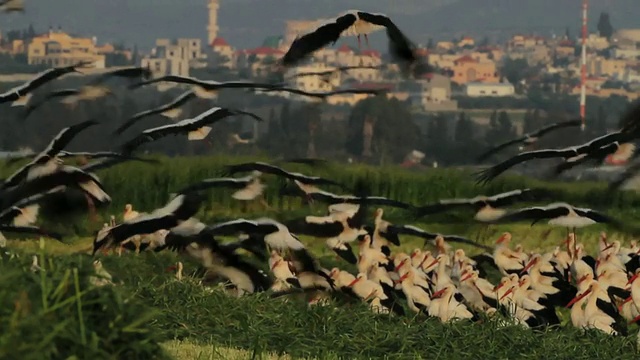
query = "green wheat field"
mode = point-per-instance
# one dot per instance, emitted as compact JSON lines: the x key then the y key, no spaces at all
{"x":57,"y":314}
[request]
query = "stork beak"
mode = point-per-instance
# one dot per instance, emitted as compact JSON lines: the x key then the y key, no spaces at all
{"x":501,"y":239}
{"x":466,"y":277}
{"x":438,"y":293}
{"x":609,"y":246}
{"x":633,"y":278}
{"x":529,"y":265}
{"x":434,"y":262}
{"x":578,"y":298}
{"x":399,"y":265}
{"x":353,"y":282}
{"x":276,"y":263}
{"x":583,"y":278}
{"x":497,"y":287}
{"x":172,"y":268}
{"x":506,"y":293}
{"x":634,"y":319}
{"x":624,"y":302}
{"x":401,"y":279}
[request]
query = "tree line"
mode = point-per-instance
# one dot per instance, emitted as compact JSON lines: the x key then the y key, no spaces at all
{"x":376,"y":130}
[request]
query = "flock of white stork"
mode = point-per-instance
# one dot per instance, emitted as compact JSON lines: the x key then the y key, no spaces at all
{"x":602,"y":291}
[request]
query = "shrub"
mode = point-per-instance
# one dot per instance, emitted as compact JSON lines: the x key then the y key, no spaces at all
{"x":55,"y":313}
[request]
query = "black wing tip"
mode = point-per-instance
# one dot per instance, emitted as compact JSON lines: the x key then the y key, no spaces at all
{"x":483,"y":177}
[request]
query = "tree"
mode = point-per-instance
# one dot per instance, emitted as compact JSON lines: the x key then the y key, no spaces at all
{"x":515,"y":70}
{"x":484,"y":42}
{"x":464,"y":129}
{"x":600,"y":126}
{"x":505,"y":127}
{"x":527,"y":123}
{"x":604,"y":25}
{"x":394,"y":132}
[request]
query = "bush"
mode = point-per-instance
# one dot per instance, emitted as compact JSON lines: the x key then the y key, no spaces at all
{"x":56,"y":314}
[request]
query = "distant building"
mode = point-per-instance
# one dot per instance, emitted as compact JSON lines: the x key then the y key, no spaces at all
{"x":467,"y":69}
{"x":57,"y":48}
{"x":599,"y":66}
{"x":435,"y":93}
{"x":314,"y":83}
{"x":174,"y":57}
{"x":466,"y":42}
{"x":224,"y":54}
{"x":212,"y":26}
{"x":525,"y":41}
{"x":597,"y":42}
{"x":627,"y":34}
{"x":476,"y":89}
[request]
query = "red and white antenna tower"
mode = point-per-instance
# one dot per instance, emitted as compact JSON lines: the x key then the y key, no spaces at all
{"x":583,"y":65}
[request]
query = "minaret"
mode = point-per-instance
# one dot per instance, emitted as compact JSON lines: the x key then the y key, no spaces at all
{"x":212,"y":27}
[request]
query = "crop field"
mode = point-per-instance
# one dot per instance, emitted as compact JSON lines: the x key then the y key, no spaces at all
{"x":56,"y":312}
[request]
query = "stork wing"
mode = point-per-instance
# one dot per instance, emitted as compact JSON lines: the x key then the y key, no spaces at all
{"x":173,"y":79}
{"x":596,"y":216}
{"x":547,"y":129}
{"x":319,"y":38}
{"x":52,"y":95}
{"x":47,"y":76}
{"x":255,"y":166}
{"x":590,"y":155}
{"x":64,"y":137}
{"x":29,"y":230}
{"x":443,"y":205}
{"x":240,"y":226}
{"x":234,"y":183}
{"x":401,"y":48}
{"x":308,"y":226}
{"x":511,"y":197}
{"x":56,"y":145}
{"x":489,"y":174}
{"x":179,"y":101}
{"x":534,"y":213}
{"x":496,"y":149}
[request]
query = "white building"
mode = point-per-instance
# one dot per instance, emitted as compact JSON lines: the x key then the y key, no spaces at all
{"x":476,"y":89}
{"x":314,"y":83}
{"x":175,"y":57}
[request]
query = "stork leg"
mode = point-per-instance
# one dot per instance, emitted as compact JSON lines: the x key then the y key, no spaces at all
{"x":263,"y":202}
{"x":359,"y":42}
{"x":93,"y":216}
{"x":366,"y":40}
{"x":137,"y":243}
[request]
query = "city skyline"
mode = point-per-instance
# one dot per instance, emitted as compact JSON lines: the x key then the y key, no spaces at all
{"x":245,"y":23}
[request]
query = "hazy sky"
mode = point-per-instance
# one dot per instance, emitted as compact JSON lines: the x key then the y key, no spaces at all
{"x":246,"y":23}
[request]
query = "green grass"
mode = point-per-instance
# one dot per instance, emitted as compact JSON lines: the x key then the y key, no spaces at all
{"x":191,"y":321}
{"x":149,"y":314}
{"x":148,"y":187}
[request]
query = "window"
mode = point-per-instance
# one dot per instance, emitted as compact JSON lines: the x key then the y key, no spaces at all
{"x":194,"y":55}
{"x":194,"y":43}
{"x":494,"y":92}
{"x":482,"y":92}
